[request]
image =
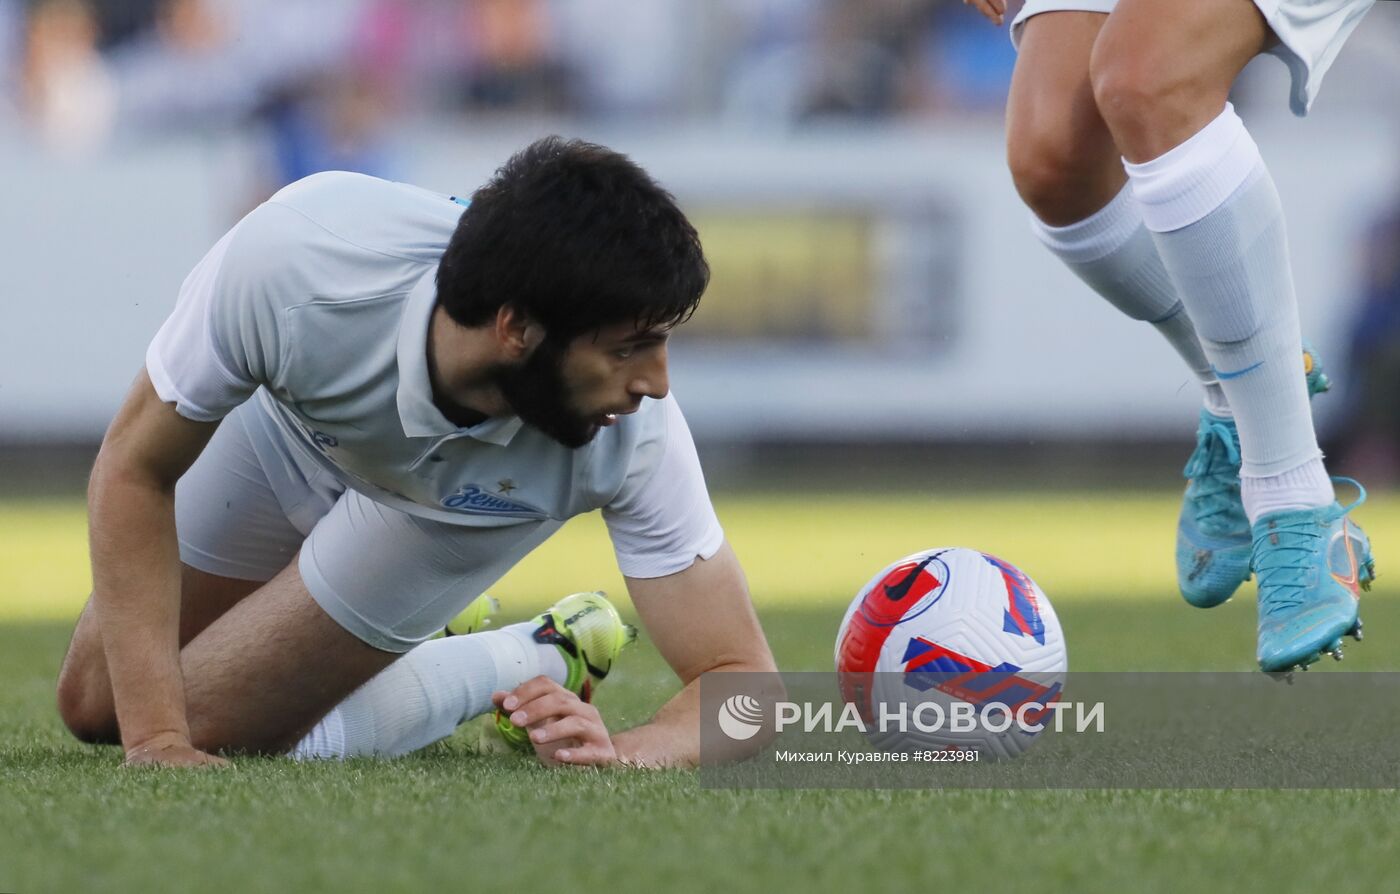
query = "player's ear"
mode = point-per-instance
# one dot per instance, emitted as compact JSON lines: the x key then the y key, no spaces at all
{"x":516,"y":332}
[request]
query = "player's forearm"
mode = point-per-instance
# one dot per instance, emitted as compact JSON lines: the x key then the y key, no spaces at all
{"x":672,"y":737}
{"x":669,"y":739}
{"x":136,"y":593}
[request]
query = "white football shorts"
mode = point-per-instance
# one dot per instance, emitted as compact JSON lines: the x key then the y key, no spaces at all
{"x":1310,"y":33}
{"x":252,"y":500}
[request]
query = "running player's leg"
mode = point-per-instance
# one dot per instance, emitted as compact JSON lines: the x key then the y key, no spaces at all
{"x":1162,"y":71}
{"x":1068,"y":171}
{"x":1062,"y":156}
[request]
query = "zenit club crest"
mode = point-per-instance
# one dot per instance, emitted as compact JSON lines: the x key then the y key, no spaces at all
{"x":473,"y":498}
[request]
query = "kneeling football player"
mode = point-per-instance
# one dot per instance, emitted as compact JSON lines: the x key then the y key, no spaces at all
{"x":375,"y":400}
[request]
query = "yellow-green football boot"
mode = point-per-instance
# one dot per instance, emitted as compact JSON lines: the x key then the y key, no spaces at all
{"x":472,"y":618}
{"x":589,"y":634}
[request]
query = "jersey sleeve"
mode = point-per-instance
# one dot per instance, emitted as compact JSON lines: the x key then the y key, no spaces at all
{"x":224,"y":337}
{"x":663,"y":519}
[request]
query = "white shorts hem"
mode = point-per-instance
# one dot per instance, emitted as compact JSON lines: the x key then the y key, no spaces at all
{"x":325,"y":596}
{"x":200,"y":560}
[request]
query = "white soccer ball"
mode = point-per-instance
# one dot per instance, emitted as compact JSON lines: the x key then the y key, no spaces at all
{"x":942,"y":630}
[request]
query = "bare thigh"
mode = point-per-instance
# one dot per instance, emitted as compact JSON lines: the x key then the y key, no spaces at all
{"x":1061,"y":153}
{"x":260,"y":667}
{"x":260,"y":676}
{"x":1162,"y":69}
{"x":85,"y":690}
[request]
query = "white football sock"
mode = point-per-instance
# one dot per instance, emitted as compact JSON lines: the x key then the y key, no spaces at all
{"x":1291,"y":490}
{"x":1218,"y":224}
{"x":426,"y":694}
{"x":1114,"y":254}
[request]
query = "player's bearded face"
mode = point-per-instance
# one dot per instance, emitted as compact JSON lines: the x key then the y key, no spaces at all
{"x":539,"y":393}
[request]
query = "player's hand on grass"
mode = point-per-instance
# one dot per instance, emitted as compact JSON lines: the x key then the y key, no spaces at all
{"x":564,"y":728}
{"x":994,"y":10}
{"x":170,"y":750}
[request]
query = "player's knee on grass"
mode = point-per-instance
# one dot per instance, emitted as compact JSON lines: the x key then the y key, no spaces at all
{"x":84,"y":690}
{"x":84,"y":695}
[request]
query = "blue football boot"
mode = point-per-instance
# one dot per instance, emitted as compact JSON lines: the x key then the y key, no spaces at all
{"x":1312,"y":566}
{"x":1212,"y":533}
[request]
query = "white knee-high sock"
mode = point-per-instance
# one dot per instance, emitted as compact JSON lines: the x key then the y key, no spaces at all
{"x":426,"y":694}
{"x":1217,"y":221}
{"x":1114,"y":254}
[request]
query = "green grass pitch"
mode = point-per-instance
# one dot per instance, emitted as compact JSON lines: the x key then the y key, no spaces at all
{"x":449,"y":819}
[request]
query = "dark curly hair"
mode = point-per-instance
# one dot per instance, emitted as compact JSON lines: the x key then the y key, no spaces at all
{"x":575,"y":236}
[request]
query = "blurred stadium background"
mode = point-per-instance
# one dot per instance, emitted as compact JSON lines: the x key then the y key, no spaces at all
{"x":879,"y":309}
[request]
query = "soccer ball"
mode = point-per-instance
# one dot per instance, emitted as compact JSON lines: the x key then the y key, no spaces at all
{"x":949,"y":626}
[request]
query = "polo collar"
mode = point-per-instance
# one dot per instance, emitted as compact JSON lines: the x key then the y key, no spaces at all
{"x":420,"y":416}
